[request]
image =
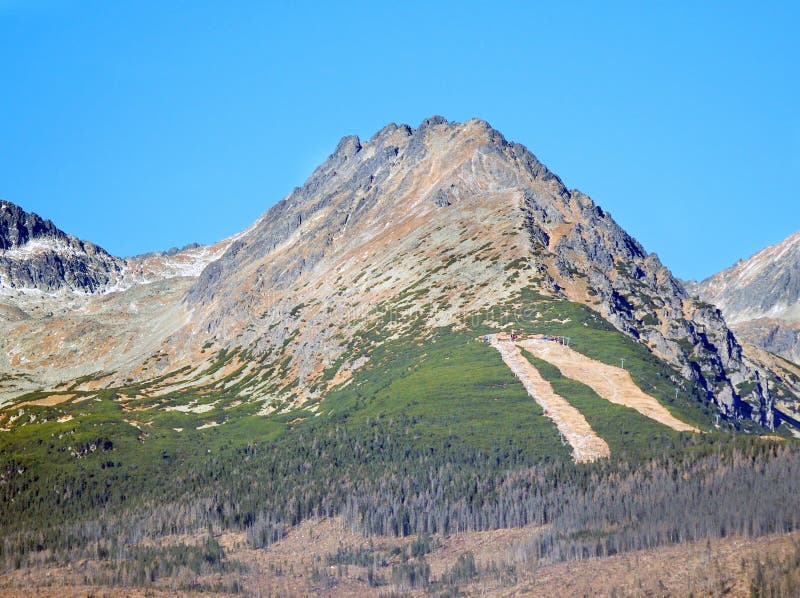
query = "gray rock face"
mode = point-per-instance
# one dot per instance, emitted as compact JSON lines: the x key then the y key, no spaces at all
{"x":775,"y":336}
{"x":343,"y":187}
{"x":35,"y":254}
{"x":640,"y":297}
{"x":760,"y":297}
{"x":766,"y":285}
{"x":18,"y":227}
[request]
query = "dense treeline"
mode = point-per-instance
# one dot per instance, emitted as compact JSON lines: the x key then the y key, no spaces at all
{"x":262,"y":489}
{"x":384,"y":480}
{"x":749,"y":490}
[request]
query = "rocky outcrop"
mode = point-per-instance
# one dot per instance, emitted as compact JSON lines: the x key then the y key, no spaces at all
{"x":776,"y":336}
{"x":34,"y":254}
{"x":760,"y":297}
{"x":637,"y":294}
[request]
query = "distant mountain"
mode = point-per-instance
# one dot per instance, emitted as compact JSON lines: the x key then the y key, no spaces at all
{"x":34,"y":254}
{"x":69,"y":309}
{"x":760,"y":297}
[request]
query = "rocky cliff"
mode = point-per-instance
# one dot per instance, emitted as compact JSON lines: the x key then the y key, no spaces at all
{"x":34,"y":254}
{"x":760,"y":297}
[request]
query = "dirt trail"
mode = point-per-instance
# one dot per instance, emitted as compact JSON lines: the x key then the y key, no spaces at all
{"x":586,"y":444}
{"x":612,"y":383}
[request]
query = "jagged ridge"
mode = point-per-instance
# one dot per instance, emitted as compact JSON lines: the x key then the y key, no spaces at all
{"x":35,"y":254}
{"x":760,"y":297}
{"x":405,"y":177}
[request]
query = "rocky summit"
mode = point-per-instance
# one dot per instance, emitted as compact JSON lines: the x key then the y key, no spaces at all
{"x":34,"y":254}
{"x":480,"y":218}
{"x":439,"y":222}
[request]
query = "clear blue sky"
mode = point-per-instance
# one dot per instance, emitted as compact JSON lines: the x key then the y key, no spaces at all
{"x":145,"y":125}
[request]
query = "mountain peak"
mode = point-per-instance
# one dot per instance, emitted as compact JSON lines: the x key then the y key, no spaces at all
{"x":348,"y":146}
{"x":376,"y":216}
{"x":453,"y":210}
{"x":35,"y":254}
{"x":434,"y":121}
{"x":18,"y":227}
{"x":760,"y":297}
{"x":399,"y":170}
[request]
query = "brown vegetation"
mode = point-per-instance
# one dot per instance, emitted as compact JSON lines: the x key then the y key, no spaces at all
{"x":300,"y":565}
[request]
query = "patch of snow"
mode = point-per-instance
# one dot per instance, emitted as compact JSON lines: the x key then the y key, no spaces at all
{"x":192,"y":262}
{"x":119,"y":285}
{"x":36,"y":247}
{"x":9,"y":291}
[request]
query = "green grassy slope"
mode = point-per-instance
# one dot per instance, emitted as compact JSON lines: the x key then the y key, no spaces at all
{"x":434,"y":433}
{"x":449,"y":385}
{"x":445,"y":389}
{"x":444,"y":383}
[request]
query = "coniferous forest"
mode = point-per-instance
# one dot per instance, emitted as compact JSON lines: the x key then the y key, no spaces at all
{"x":382,"y":481}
